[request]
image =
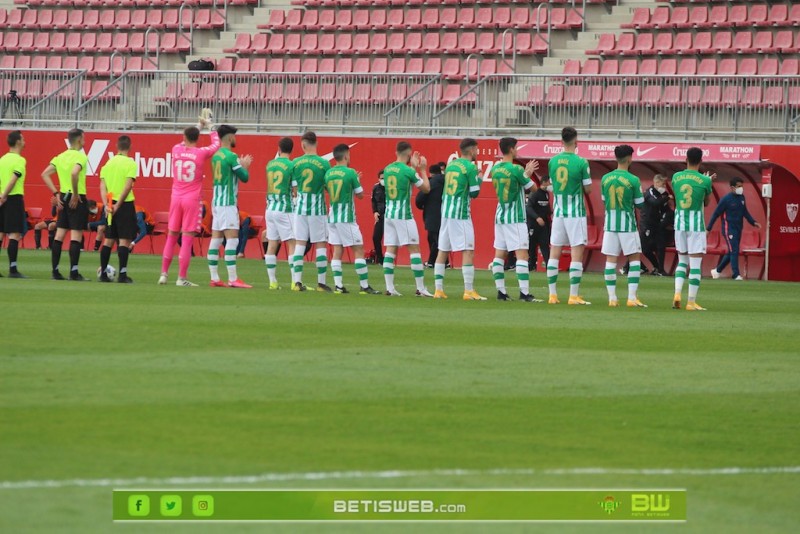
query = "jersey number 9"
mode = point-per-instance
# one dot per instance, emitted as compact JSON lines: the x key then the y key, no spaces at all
{"x":562,"y":177}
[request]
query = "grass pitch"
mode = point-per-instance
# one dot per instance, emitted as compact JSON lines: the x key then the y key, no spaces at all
{"x":112,"y":381}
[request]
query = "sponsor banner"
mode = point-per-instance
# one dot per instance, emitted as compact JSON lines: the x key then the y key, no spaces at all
{"x":599,"y":150}
{"x":649,"y":505}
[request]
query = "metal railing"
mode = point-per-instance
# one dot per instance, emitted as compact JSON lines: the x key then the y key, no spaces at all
{"x":44,"y":97}
{"x":602,"y":106}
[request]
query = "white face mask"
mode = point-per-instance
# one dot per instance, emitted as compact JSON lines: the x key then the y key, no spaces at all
{"x":739,"y":190}
{"x":380,"y":181}
{"x":548,"y":188}
{"x":661,"y":190}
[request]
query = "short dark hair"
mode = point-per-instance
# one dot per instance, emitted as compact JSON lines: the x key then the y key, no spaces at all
{"x":736,"y":181}
{"x":569,"y":134}
{"x":380,"y":173}
{"x":14,"y":137}
{"x":286,"y":145}
{"x":435,"y":169}
{"x":506,"y":144}
{"x":623,"y":151}
{"x":74,"y":134}
{"x":466,"y":143}
{"x":310,"y":138}
{"x":123,"y":142}
{"x":225,"y":129}
{"x":192,"y":134}
{"x":694,"y":156}
{"x":402,"y":146}
{"x":544,"y":178}
{"x":340,"y":151}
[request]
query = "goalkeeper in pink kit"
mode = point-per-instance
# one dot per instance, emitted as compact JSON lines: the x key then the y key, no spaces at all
{"x":188,"y":165}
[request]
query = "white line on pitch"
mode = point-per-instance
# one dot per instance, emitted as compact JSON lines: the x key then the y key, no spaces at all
{"x":378,"y":475}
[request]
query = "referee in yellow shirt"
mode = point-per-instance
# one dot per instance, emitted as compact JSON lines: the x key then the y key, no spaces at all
{"x":117,"y":177}
{"x":12,"y":206}
{"x":71,"y":166}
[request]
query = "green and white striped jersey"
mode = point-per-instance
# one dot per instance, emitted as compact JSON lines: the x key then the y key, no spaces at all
{"x":342,"y":183}
{"x":510,"y":184}
{"x":461,"y":184}
{"x":621,"y":192}
{"x":691,"y":188}
{"x":398,"y":179}
{"x":228,"y":172}
{"x":569,"y":173}
{"x":309,"y":177}
{"x":279,"y":185}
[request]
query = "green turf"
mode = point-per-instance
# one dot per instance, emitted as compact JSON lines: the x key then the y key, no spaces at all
{"x":111,"y":381}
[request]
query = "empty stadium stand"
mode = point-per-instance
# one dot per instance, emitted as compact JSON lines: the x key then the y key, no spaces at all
{"x":540,"y":63}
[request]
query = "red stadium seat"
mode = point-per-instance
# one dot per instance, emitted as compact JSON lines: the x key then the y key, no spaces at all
{"x":698,"y":17}
{"x":397,"y":65}
{"x":327,"y":44}
{"x":626,"y":43}
{"x":641,"y":18}
{"x":380,"y":65}
{"x":572,"y":67}
{"x":723,"y":42}
{"x":276,"y":44}
{"x":645,"y":44}
{"x":668,"y":67}
{"x":762,"y":44}
{"x":727,"y":67}
{"x":605,"y":45}
{"x":41,"y":43}
{"x":448,"y":17}
{"x":430,"y":18}
{"x":591,"y":66}
{"x":14,"y":19}
{"x":327,"y":19}
{"x":650,"y":66}
{"x":377,"y":20}
{"x":707,"y":67}
{"x":610,"y":67}
{"x":452,"y":69}
{"x":259,"y":44}
{"x":396,"y":43}
{"x":790,"y":67}
{"x":794,"y":15}
{"x":743,"y":42}
{"x":292,"y":43}
{"x":414,"y":43}
{"x":309,"y":43}
{"x":702,"y":43}
{"x":43,"y":22}
{"x":758,"y":15}
{"x":344,"y":43}
{"x":241,"y":46}
{"x":310,"y":21}
{"x":784,"y":42}
{"x":659,"y":19}
{"x":737,"y":16}
{"x":536,"y":96}
{"x":778,"y":16}
{"x":277,"y":21}
{"x":26,"y":42}
{"x":767,"y":66}
{"x":395,"y":19}
{"x":91,"y":20}
{"x":687,"y":67}
{"x":275,"y":64}
{"x":773,"y":97}
{"x":717,"y":18}
{"x":679,"y":17}
{"x":361,"y":65}
{"x":361,"y":19}
{"x":294,"y":20}
{"x":61,"y":18}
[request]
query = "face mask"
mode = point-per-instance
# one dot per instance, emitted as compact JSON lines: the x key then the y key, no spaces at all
{"x":739,"y":190}
{"x":381,"y":181}
{"x":661,"y":190}
{"x":548,"y":188}
{"x":93,"y":211}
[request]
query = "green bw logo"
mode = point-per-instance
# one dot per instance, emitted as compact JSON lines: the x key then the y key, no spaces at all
{"x":609,"y":505}
{"x":649,"y":503}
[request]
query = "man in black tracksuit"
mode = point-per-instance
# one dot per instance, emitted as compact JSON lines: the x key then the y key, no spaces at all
{"x":378,"y":210}
{"x":653,"y":224}
{"x":431,"y":205}
{"x":539,"y":218}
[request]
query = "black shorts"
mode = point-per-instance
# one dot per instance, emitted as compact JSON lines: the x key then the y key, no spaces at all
{"x":73,"y":219}
{"x":123,"y":223}
{"x":12,"y":215}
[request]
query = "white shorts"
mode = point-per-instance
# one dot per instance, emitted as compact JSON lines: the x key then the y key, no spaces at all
{"x":224,"y":218}
{"x":690,"y":242}
{"x":510,"y":237}
{"x":569,"y":232}
{"x":456,"y":235}
{"x":311,"y":228}
{"x":400,"y":232}
{"x":616,"y":243}
{"x":344,"y":234}
{"x":279,"y":226}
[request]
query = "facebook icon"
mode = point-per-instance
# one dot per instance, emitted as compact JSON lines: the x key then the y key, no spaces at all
{"x":138,"y":505}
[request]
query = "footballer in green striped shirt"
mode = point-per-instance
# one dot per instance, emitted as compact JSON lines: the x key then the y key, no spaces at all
{"x":457,"y":234}
{"x":510,"y":182}
{"x":622,"y":195}
{"x":308,"y":180}
{"x":571,"y":182}
{"x":228,"y":169}
{"x":342,"y":184}
{"x":692,"y":194}
{"x":280,"y":172}
{"x":400,"y":228}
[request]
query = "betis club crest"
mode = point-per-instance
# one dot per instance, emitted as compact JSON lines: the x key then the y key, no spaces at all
{"x":791,"y":212}
{"x":609,"y":504}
